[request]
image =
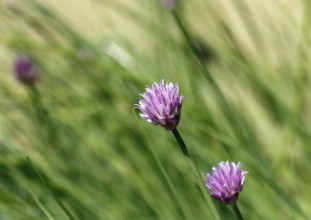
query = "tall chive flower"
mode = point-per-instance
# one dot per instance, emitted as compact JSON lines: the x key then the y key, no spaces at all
{"x":25,"y":70}
{"x":161,"y":104}
{"x":226,"y":182}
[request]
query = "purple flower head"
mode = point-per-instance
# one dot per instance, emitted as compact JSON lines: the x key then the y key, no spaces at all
{"x":169,"y":4}
{"x":226,"y":182}
{"x":25,"y":70}
{"x":161,"y":104}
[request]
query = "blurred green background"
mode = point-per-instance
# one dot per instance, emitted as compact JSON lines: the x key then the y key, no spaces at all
{"x":100,"y":157}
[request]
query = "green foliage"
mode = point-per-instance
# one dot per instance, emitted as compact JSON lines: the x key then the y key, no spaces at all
{"x":104,"y":162}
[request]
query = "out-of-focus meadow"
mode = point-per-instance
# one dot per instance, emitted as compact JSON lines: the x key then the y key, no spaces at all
{"x":101,"y":158}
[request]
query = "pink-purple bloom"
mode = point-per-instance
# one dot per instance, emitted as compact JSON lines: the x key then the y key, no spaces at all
{"x":25,"y":69}
{"x":161,"y":104}
{"x":226,"y":182}
{"x":169,"y":4}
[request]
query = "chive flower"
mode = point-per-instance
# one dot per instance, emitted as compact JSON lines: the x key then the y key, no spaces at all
{"x":226,"y":182}
{"x":161,"y":104}
{"x":168,"y":4}
{"x":25,"y":70}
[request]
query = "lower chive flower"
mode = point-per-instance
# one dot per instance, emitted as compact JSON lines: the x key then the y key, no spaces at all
{"x":161,"y":104}
{"x":226,"y":182}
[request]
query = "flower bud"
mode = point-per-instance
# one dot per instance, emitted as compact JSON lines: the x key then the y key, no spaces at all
{"x":25,"y":70}
{"x":169,"y":4}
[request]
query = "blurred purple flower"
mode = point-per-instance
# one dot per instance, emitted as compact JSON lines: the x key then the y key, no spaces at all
{"x":169,"y":4}
{"x":226,"y":182}
{"x":161,"y":104}
{"x":25,"y":69}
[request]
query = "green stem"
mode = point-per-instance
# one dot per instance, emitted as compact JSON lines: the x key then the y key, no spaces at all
{"x":36,"y":100}
{"x":181,"y":143}
{"x":42,"y":116}
{"x":44,"y":123}
{"x":237,"y":211}
{"x":197,"y":174}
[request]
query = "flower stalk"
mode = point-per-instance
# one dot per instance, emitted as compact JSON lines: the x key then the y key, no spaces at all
{"x":196,"y":173}
{"x":237,"y":211}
